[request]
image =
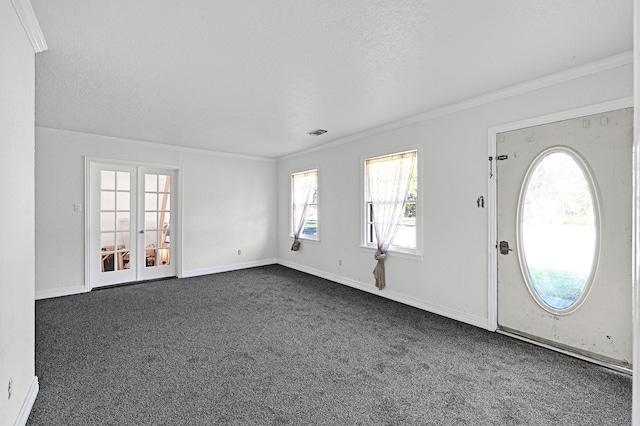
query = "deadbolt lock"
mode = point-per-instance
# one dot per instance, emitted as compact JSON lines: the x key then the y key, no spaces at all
{"x":504,"y":247}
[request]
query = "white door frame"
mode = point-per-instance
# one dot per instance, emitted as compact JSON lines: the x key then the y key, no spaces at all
{"x":492,"y":205}
{"x":635,"y":283}
{"x":176,"y":246}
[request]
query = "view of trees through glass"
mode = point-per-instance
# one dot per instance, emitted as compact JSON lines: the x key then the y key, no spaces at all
{"x":558,"y":230}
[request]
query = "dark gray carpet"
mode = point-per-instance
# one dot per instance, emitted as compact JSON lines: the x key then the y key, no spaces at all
{"x":273,"y":346}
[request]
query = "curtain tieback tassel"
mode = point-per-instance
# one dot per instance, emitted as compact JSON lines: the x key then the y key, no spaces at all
{"x":378,"y":271}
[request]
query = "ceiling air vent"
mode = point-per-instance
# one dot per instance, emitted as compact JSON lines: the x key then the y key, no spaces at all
{"x":317,"y":132}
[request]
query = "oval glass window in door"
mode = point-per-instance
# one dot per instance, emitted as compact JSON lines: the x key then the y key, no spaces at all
{"x":558,"y":230}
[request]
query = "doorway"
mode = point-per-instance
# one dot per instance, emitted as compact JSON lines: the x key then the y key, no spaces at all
{"x":132,"y":223}
{"x":563,"y":235}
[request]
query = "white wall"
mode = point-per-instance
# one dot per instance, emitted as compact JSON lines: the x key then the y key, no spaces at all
{"x":451,"y":278}
{"x":228,"y":204}
{"x":17,"y":326}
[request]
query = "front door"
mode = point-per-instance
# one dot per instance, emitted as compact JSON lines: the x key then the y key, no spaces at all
{"x":564,"y":235}
{"x":131,"y":218}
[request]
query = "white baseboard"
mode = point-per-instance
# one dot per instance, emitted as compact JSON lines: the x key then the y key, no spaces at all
{"x":398,"y":297}
{"x":67,"y":291}
{"x":389,"y":294}
{"x":27,"y":404}
{"x":59,"y":292}
{"x":227,"y":268}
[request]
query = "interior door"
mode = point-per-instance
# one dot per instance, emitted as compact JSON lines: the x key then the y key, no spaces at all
{"x":131,"y":213}
{"x":564,"y":235}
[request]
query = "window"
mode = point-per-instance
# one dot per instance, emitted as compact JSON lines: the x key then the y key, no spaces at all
{"x":391,"y":193}
{"x":304,"y":204}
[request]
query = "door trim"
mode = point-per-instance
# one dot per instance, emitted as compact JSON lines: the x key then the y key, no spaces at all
{"x":176,"y":246}
{"x":492,"y":205}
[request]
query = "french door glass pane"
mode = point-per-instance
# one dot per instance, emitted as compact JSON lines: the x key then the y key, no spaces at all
{"x":107,"y":221}
{"x":107,"y":200}
{"x":107,"y":240}
{"x":164,"y":183}
{"x":108,"y":179}
{"x":115,"y":213}
{"x":123,"y":221}
{"x":157,"y":206}
{"x":165,"y":202}
{"x":151,"y":202}
{"x":151,"y":220}
{"x":152,"y":239}
{"x":123,"y":200}
{"x":151,"y":183}
{"x":123,"y":239}
{"x":124,"y":181}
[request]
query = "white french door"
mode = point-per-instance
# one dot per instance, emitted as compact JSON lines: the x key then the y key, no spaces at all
{"x":564,"y":235}
{"x":130,"y":223}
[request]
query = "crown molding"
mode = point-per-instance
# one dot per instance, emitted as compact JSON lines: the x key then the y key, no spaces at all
{"x":145,"y":144}
{"x":29,"y":21}
{"x":519,"y":89}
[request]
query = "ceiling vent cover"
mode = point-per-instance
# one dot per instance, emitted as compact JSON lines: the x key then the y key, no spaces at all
{"x":317,"y":132}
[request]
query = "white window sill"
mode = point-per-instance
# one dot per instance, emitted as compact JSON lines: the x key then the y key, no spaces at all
{"x":395,"y":252}
{"x":307,"y":239}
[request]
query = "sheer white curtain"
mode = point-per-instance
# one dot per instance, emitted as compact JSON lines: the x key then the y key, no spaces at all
{"x":388,"y":181}
{"x":303,"y":187}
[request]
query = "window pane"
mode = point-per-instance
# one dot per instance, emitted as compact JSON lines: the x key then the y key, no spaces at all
{"x":406,"y":237}
{"x":151,"y":239}
{"x":166,"y":220}
{"x":311,"y":226}
{"x":123,"y":240}
{"x":409,"y":214}
{"x":164,"y":183}
{"x":151,"y":220}
{"x":165,"y":202}
{"x":107,"y":240}
{"x":107,"y":221}
{"x":151,"y":202}
{"x":124,"y":181}
{"x":107,"y":200}
{"x":150,"y":256}
{"x":559,"y":230}
{"x":123,"y":221}
{"x":124,"y":201}
{"x":151,"y":183}
{"x":304,"y":203}
{"x":163,"y":257}
{"x":124,"y":257}
{"x":108,"y":261}
{"x":107,"y":179}
{"x":391,"y":192}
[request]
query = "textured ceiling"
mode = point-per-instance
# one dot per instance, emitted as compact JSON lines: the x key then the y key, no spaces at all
{"x":253,"y":77}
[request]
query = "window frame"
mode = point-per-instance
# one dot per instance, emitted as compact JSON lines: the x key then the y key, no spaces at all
{"x":317,"y":204}
{"x":406,"y":252}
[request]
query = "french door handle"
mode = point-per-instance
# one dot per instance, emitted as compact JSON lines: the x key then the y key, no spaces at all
{"x":141,"y":232}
